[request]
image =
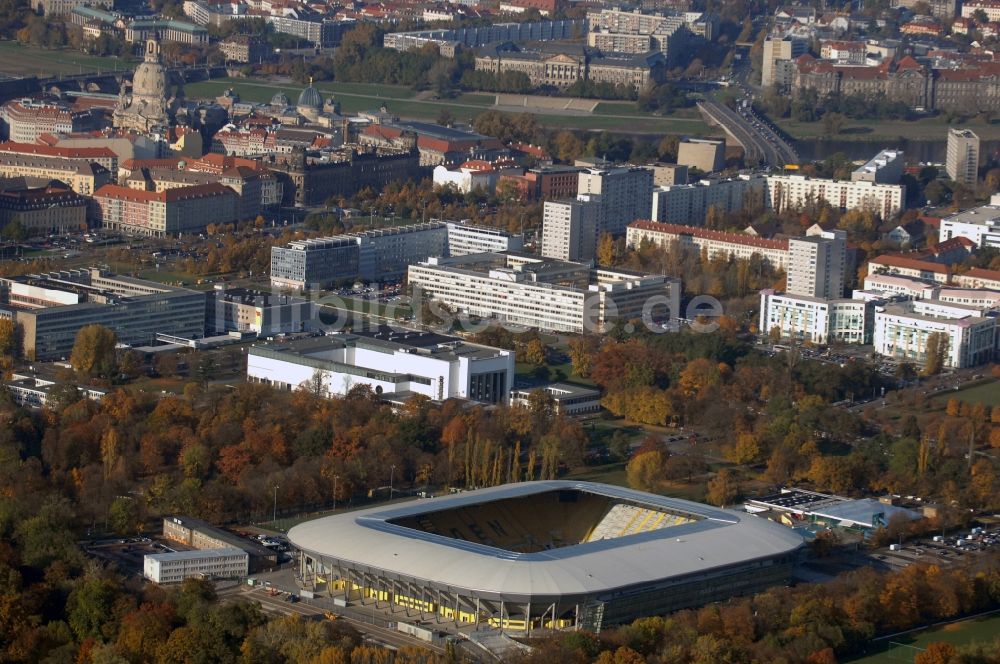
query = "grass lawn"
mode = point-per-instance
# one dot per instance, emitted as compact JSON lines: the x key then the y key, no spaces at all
{"x":355,"y":97}
{"x":925,"y":129}
{"x":986,"y":393}
{"x":966,"y":632}
{"x":19,"y":60}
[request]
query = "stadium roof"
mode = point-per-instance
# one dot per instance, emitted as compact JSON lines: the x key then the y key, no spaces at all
{"x":718,"y":539}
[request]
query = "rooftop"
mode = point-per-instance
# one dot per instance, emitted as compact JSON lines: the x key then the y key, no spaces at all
{"x":197,"y":554}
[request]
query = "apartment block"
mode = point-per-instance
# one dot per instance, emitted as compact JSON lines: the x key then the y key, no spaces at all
{"x":625,"y":193}
{"x":569,"y":230}
{"x":546,"y":294}
{"x":689,"y":203}
{"x":793,"y":191}
{"x":51,"y":308}
{"x":465,"y":239}
{"x":83,"y":177}
{"x":884,"y":168}
{"x":714,"y":243}
{"x":779,"y":53}
{"x":667,"y":175}
{"x":707,"y":155}
{"x":962,"y":156}
{"x":816,"y":265}
{"x":186,"y":209}
{"x":24,"y":120}
{"x":395,"y":364}
{"x":910,"y":267}
{"x":176,"y":566}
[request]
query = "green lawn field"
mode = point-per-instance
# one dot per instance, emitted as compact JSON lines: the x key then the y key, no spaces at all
{"x":19,"y":60}
{"x":926,"y":129}
{"x":986,"y":393}
{"x":903,"y":649}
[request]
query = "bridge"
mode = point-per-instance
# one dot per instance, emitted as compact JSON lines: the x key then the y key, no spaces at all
{"x":761,"y":143}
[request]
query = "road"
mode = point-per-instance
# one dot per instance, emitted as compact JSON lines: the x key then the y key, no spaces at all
{"x":761,"y":144}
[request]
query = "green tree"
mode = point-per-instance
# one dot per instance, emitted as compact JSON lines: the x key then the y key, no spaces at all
{"x":94,"y":351}
{"x":14,"y":231}
{"x":123,"y":516}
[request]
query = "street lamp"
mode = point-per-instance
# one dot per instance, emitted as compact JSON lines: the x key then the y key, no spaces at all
{"x":392,"y":472}
{"x":274,"y":516}
{"x":335,"y":478}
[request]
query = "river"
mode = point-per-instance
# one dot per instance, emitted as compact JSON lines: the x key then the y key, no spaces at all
{"x":916,"y":151}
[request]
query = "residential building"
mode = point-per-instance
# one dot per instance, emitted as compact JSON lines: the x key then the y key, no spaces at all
{"x":884,"y":168}
{"x":978,"y":277}
{"x":707,"y":155}
{"x":43,"y":210}
{"x":980,"y":224}
{"x":778,"y":63}
{"x":546,"y":294}
{"x":248,"y":183}
{"x":83,"y":176}
{"x":690,"y":203}
{"x":623,"y":194}
{"x":567,"y":399}
{"x":622,"y":31}
{"x":910,"y":267}
{"x":257,"y":312}
{"x":24,"y":120}
{"x":51,"y":309}
{"x":794,"y":191}
{"x":902,"y":330}
{"x":816,"y":265}
{"x":101,"y":156}
{"x":63,"y":7}
{"x":184,"y":209}
{"x":962,"y":157}
{"x":713,"y":243}
{"x":394,"y":364}
{"x":844,"y":52}
{"x":203,"y":536}
{"x":667,"y":175}
{"x":989,"y":7}
{"x":817,"y":320}
{"x":175,"y":566}
{"x":321,"y":32}
{"x":569,"y":230}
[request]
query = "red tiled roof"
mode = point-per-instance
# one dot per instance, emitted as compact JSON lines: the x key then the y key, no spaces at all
{"x":982,"y":273}
{"x":55,"y":151}
{"x":168,"y":196}
{"x":721,"y":236}
{"x":907,"y":263}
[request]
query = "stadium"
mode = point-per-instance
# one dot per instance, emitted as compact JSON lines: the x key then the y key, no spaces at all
{"x":549,"y":554}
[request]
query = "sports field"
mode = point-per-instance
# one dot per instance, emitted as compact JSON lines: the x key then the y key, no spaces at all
{"x":903,"y":649}
{"x":17,"y":59}
{"x":355,"y":97}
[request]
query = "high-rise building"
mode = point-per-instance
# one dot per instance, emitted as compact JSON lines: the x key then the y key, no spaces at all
{"x":778,"y":57}
{"x":962,"y":160}
{"x":569,"y":230}
{"x":816,"y":265}
{"x":625,"y":193}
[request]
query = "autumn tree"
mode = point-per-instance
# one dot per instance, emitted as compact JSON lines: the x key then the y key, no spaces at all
{"x":94,"y":351}
{"x":723,"y":488}
{"x":606,"y":250}
{"x":645,"y":470}
{"x":936,"y":351}
{"x":9,"y":341}
{"x":581,"y":351}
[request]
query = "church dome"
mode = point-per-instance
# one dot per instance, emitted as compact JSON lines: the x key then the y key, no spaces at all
{"x":310,"y":99}
{"x":150,"y":80}
{"x":280,"y":101}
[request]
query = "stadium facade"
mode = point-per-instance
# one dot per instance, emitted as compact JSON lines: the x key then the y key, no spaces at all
{"x":549,"y":554}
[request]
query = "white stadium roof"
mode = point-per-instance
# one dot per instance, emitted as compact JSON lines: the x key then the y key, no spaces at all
{"x":720,"y":539}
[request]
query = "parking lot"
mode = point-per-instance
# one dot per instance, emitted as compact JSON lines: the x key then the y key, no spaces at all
{"x":939,"y":549}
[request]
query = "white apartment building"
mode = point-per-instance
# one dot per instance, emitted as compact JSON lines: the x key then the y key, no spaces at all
{"x":916,"y":289}
{"x":793,"y":191}
{"x":625,"y":193}
{"x":546,"y":294}
{"x":569,"y":230}
{"x":901,"y":332}
{"x":714,"y":243}
{"x":962,"y":156}
{"x":909,"y":267}
{"x":395,"y":364}
{"x":884,"y":168}
{"x":816,"y":265}
{"x":978,"y":277}
{"x":174,"y":567}
{"x":817,"y":320}
{"x":689,"y":203}
{"x":979,"y":224}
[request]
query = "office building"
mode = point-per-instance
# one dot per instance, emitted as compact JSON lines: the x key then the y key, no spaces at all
{"x":962,"y":157}
{"x":175,"y":566}
{"x":796,"y":191}
{"x":707,"y":155}
{"x":981,"y":225}
{"x":380,"y":255}
{"x":245,"y":49}
{"x":394,"y":364}
{"x":255,"y":312}
{"x":624,"y":194}
{"x":32,"y":389}
{"x":51,"y":308}
{"x":689,"y":203}
{"x":567,"y":399}
{"x":477,"y":36}
{"x":884,"y":168}
{"x":713,"y":243}
{"x":43,"y":210}
{"x":569,"y":230}
{"x":545,"y":294}
{"x":902,"y":330}
{"x":201,"y":535}
{"x":817,"y":320}
{"x":185,"y":209}
{"x":816,"y":265}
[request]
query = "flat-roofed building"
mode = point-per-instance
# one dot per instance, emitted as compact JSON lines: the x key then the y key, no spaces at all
{"x":795,"y":191}
{"x":817,"y":320}
{"x":962,"y":156}
{"x":569,"y":230}
{"x":203,"y":536}
{"x":705,"y":154}
{"x":817,"y":264}
{"x":689,"y":203}
{"x":567,"y":398}
{"x":51,"y":308}
{"x":264,"y":314}
{"x":546,"y":294}
{"x":394,"y":364}
{"x":174,"y":567}
{"x":979,"y":224}
{"x":968,"y":337}
{"x":884,"y":168}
